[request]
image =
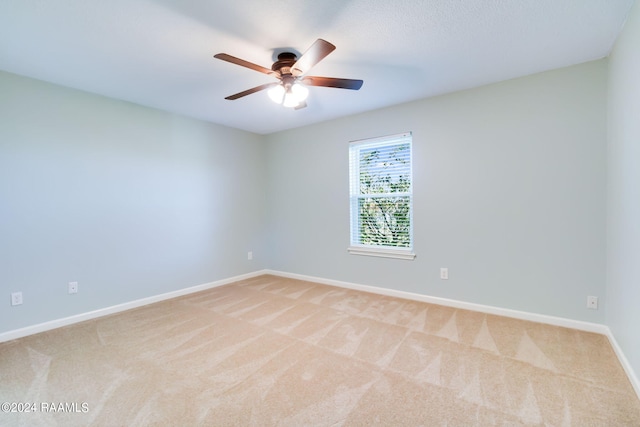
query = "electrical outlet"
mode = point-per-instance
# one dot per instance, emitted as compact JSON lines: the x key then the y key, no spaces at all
{"x":592,"y":302}
{"x":249,"y":255}
{"x":73,"y":287}
{"x":444,"y":273}
{"x":16,"y":298}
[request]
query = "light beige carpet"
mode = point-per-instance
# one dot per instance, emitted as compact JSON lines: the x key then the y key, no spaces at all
{"x":273,"y":351}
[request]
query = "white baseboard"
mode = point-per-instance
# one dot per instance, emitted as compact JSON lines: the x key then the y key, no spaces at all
{"x":633,"y":378}
{"x":522,"y":315}
{"x":53,"y":324}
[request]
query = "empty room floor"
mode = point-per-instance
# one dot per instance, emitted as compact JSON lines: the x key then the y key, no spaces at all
{"x":276,"y":351}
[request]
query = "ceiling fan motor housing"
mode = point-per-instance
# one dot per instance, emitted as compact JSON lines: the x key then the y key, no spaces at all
{"x":284,"y":63}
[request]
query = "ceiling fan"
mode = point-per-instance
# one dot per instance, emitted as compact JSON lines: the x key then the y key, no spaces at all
{"x":290,"y":70}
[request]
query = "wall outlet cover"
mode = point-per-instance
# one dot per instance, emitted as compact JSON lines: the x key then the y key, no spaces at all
{"x":16,"y":298}
{"x":73,"y":287}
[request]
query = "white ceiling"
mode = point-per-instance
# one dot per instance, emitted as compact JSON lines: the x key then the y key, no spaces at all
{"x":159,"y":53}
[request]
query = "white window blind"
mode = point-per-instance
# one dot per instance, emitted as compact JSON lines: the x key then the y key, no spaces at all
{"x":381,"y":196}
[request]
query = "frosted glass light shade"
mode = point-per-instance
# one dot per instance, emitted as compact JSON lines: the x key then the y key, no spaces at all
{"x":276,"y":94}
{"x":300,"y":92}
{"x":289,"y":98}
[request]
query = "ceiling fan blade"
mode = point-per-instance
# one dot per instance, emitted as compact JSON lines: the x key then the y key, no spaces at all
{"x":243,"y":63}
{"x":316,"y":53}
{"x":252,"y":90}
{"x":332,"y":82}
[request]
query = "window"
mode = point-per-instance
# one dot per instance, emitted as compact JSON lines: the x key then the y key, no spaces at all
{"x":381,"y":197}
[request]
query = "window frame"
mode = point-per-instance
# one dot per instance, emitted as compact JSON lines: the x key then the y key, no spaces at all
{"x":355,"y":195}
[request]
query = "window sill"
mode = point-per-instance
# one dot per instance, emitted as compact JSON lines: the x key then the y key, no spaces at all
{"x":384,"y":253}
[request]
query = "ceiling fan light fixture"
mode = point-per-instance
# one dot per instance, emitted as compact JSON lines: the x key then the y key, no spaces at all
{"x":289,"y":97}
{"x":276,"y":94}
{"x":295,"y":95}
{"x":300,"y":92}
{"x":290,"y":101}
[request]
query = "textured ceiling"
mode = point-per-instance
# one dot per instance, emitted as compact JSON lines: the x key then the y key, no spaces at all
{"x":159,"y":53}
